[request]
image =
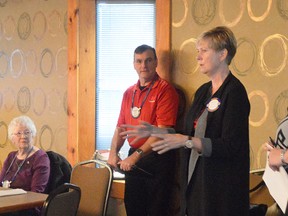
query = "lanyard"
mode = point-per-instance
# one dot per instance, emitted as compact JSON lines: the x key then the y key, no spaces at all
{"x":147,"y":93}
{"x":19,"y":167}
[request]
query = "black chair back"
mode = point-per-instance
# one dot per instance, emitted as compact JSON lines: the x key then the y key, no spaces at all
{"x":60,"y":202}
{"x":60,"y":171}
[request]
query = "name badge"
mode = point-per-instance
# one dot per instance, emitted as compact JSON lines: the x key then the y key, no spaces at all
{"x":213,"y":104}
{"x":6,"y":184}
{"x":135,"y":112}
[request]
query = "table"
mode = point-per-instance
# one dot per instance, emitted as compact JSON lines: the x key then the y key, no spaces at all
{"x":21,"y":201}
{"x":117,"y":189}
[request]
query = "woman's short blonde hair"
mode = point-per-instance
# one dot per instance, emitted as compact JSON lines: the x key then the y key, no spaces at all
{"x":221,"y":37}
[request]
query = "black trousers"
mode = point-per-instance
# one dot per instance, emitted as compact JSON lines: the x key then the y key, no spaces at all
{"x":151,"y":195}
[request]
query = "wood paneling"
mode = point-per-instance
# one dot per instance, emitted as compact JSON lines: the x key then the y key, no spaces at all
{"x":163,"y":39}
{"x":72,"y":149}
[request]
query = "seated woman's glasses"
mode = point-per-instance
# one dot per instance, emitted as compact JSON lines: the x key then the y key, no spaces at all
{"x":25,"y":133}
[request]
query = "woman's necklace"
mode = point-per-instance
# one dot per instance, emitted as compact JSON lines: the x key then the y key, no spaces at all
{"x":7,"y":183}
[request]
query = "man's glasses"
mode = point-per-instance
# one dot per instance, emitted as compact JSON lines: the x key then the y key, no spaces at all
{"x":25,"y":133}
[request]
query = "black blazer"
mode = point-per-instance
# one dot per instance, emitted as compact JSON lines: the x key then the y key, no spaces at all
{"x":220,"y":183}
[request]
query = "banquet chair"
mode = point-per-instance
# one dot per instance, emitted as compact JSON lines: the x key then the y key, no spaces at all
{"x":64,"y":200}
{"x":94,"y":177}
{"x":260,"y":198}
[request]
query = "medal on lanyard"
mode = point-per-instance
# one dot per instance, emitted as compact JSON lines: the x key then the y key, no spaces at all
{"x":136,"y":111}
{"x":6,"y":184}
{"x":213,"y":104}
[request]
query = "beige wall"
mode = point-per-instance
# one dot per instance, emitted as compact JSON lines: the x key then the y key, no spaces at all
{"x":261,"y":28}
{"x":33,"y":70}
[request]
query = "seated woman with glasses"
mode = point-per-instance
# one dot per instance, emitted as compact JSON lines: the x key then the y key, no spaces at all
{"x":28,"y":167}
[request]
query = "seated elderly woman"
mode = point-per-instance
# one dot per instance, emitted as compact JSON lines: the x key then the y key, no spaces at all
{"x":28,"y":167}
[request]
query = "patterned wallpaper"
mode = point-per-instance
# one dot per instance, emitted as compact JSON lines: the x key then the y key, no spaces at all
{"x":33,"y":70}
{"x":261,"y":28}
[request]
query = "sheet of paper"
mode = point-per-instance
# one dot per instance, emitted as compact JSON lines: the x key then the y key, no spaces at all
{"x":277,"y":183}
{"x":9,"y":192}
{"x":118,"y":175}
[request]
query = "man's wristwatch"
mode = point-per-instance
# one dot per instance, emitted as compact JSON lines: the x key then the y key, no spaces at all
{"x":139,"y":152}
{"x":189,"y":143}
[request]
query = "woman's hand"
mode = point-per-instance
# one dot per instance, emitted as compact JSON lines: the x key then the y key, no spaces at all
{"x":143,"y":130}
{"x":274,"y":158}
{"x":168,"y":142}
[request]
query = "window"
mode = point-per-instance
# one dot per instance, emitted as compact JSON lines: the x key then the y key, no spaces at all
{"x":121,"y":26}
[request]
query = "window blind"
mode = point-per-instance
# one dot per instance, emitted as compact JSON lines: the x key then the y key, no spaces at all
{"x":121,"y":27}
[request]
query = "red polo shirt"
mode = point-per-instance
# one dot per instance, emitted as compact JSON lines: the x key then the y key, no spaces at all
{"x":160,"y":106}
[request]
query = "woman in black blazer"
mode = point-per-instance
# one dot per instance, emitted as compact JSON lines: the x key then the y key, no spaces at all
{"x":216,"y":133}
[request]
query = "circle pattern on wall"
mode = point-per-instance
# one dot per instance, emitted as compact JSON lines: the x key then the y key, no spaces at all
{"x":277,"y":43}
{"x":46,"y":62}
{"x":24,"y":99}
{"x":281,"y":106}
{"x":231,"y":6}
{"x":17,"y":63}
{"x":282,"y":7}
{"x":31,"y":63}
{"x":61,"y":56}
{"x":3,"y":3}
{"x":65,"y":103}
{"x":54,"y":23}
{"x":24,"y":26}
{"x":186,"y":58}
{"x":39,"y":101}
{"x":46,"y":138}
{"x":261,"y":156}
{"x":179,"y":23}
{"x":245,"y":48}
{"x":4,"y":64}
{"x":33,"y":67}
{"x":9,"y":27}
{"x":8,"y":99}
{"x":65,"y":23}
{"x":264,"y":98}
{"x":39,"y":25}
{"x":263,"y":16}
{"x":203,"y":11}
{"x":60,"y":141}
{"x":4,"y":134}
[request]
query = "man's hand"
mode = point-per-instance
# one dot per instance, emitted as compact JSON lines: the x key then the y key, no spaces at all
{"x":113,"y":160}
{"x":128,"y":163}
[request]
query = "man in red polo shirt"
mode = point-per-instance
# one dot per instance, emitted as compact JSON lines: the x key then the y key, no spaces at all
{"x":148,"y":175}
